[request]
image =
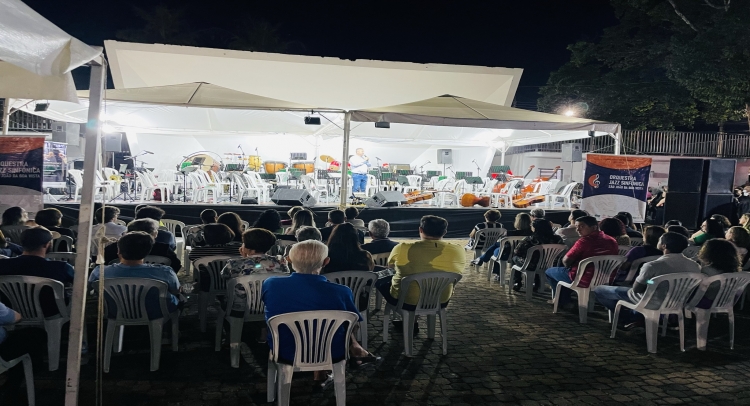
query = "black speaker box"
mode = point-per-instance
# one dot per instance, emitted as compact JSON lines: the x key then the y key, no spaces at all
{"x":715,"y":203}
{"x":685,"y":207}
{"x":113,"y":142}
{"x":720,"y":175}
{"x":293,"y":197}
{"x":386,"y":199}
{"x":685,"y":175}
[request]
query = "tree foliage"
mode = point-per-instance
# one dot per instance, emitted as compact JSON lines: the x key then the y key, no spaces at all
{"x":666,"y":64}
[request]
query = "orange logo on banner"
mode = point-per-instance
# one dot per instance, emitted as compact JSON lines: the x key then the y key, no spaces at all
{"x":594,"y":181}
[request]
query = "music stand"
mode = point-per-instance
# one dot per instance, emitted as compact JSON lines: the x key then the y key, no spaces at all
{"x":184,"y":171}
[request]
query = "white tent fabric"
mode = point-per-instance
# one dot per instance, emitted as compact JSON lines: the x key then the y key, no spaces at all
{"x":315,"y":81}
{"x":19,"y":83}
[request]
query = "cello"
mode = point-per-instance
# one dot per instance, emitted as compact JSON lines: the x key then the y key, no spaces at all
{"x":500,"y":186}
{"x":523,"y":202}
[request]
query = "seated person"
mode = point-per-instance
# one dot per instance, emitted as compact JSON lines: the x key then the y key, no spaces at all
{"x":679,"y":230}
{"x":51,"y":219}
{"x":234,"y":222}
{"x":219,"y":241}
{"x":301,"y":218}
{"x":345,"y":252}
{"x":537,"y":213}
{"x":291,"y":212}
{"x":13,"y":219}
{"x":745,"y":221}
{"x":351,"y":217}
{"x":710,"y":228}
{"x":133,"y":247}
{"x":305,"y":233}
{"x":491,"y":218}
{"x":111,"y":228}
{"x":716,"y":257}
{"x":380,"y":244}
{"x":569,"y":231}
{"x":672,"y":223}
{"x":9,"y":249}
{"x":741,"y":240}
{"x":723,"y":220}
{"x":269,"y":220}
{"x":542,"y":234}
{"x":593,"y":242}
{"x":195,"y":237}
{"x":627,"y":219}
{"x":336,"y":217}
{"x":649,"y":248}
{"x":155,"y":213}
{"x":150,"y":227}
{"x":32,"y":262}
{"x":13,"y":344}
{"x":306,"y":290}
{"x":522,"y":228}
{"x":615,"y":229}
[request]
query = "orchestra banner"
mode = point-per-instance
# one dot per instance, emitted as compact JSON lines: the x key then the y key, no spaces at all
{"x":615,"y":183}
{"x":21,"y":162}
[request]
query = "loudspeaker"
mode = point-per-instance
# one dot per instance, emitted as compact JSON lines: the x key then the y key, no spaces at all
{"x":714,"y":203}
{"x":720,"y":175}
{"x":112,"y":142}
{"x":68,"y":133}
{"x":685,"y":175}
{"x":445,"y":156}
{"x":572,"y":152}
{"x":293,"y":197}
{"x":682,"y":206}
{"x":388,"y":198}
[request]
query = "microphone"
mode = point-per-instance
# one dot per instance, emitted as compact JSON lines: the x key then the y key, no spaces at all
{"x":148,"y":152}
{"x":378,"y":159}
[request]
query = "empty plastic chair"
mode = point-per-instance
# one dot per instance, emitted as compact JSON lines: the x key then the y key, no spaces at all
{"x":28,"y":371}
{"x":217,"y":285}
{"x":358,"y":282}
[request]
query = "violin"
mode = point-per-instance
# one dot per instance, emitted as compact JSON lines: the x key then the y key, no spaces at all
{"x":500,"y":186}
{"x":469,"y":200}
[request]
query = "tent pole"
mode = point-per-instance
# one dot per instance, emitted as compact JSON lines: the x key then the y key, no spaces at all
{"x":77,"y":321}
{"x":618,"y":142}
{"x":502,"y":155}
{"x":6,"y":116}
{"x":345,"y":159}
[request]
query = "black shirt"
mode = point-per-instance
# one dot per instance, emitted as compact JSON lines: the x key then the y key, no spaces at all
{"x":31,"y":265}
{"x":379,"y":246}
{"x":159,"y":248}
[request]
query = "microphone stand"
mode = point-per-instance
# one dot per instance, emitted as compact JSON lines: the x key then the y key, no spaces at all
{"x":380,"y":174}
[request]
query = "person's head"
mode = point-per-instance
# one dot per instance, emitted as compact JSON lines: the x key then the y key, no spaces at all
{"x":492,"y":215}
{"x":134,"y":246}
{"x":745,"y":219}
{"x":542,"y":229}
{"x":302,"y":218}
{"x":586,"y":225}
{"x":291,"y":212}
{"x":713,"y":228}
{"x":537,"y":213}
{"x":612,"y":227}
{"x":48,"y":218}
{"x":308,"y":257}
{"x":379,"y":229}
{"x":720,"y":254}
{"x":351,"y":213}
{"x":36,"y":241}
{"x":149,"y":212}
{"x":217,"y":234}
{"x":148,"y":226}
{"x":574,"y":214}
{"x":336,"y":217}
{"x":269,"y":220}
{"x":257,"y":241}
{"x":111,"y":213}
{"x":305,"y":233}
{"x":672,"y":243}
{"x":15,"y":216}
{"x":209,"y":216}
{"x":432,"y":227}
{"x":723,"y":220}
{"x":679,"y":230}
{"x":231,"y":220}
{"x":673,"y":223}
{"x":652,"y":234}
{"x":626,"y":219}
{"x":522,"y":221}
{"x":360,"y":152}
{"x":739,"y":236}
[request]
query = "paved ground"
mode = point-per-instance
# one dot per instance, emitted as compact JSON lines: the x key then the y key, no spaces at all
{"x":502,"y":350}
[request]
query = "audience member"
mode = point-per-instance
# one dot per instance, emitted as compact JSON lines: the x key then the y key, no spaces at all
{"x":269,"y":220}
{"x":679,"y":230}
{"x":723,"y":220}
{"x":627,"y":219}
{"x":301,"y":218}
{"x":345,"y":251}
{"x":537,"y":213}
{"x":133,"y":248}
{"x":111,"y":228}
{"x":195,"y":233}
{"x":716,"y":257}
{"x":649,"y":248}
{"x":745,"y":221}
{"x":219,"y":241}
{"x":336,"y":217}
{"x":542,"y":234}
{"x":351,"y":213}
{"x":234,"y":222}
{"x":291,"y":212}
{"x":710,"y":228}
{"x":150,"y":227}
{"x":593,"y":242}
{"x":209,"y":216}
{"x":13,"y":344}
{"x":380,"y":244}
{"x":569,"y":231}
{"x":672,"y":223}
{"x":521,"y":228}
{"x":741,"y":239}
{"x":155,"y":213}
{"x":491,"y":218}
{"x":13,"y":219}
{"x":8,"y":248}
{"x":743,"y":201}
{"x":51,"y":219}
{"x":305,"y":233}
{"x":615,"y":229}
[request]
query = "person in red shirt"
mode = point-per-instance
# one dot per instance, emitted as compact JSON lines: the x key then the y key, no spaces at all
{"x":593,"y":242}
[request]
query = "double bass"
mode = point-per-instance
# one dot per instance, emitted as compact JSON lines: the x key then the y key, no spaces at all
{"x":500,"y":186}
{"x":523,"y":202}
{"x":470,"y":199}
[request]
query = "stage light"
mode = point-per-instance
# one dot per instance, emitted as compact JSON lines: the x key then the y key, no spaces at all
{"x":312,"y":120}
{"x":382,"y":124}
{"x":41,"y":107}
{"x":570,"y":113}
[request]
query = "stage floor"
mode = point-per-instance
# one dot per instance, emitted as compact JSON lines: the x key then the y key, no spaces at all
{"x":404,"y":220}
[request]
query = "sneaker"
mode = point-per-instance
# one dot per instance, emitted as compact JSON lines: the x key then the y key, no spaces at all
{"x":476,"y":262}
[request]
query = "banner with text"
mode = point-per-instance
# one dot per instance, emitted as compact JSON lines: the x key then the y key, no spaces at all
{"x":615,"y":183}
{"x":21,"y":160}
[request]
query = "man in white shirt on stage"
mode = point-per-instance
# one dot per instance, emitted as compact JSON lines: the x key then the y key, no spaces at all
{"x":360,"y":163}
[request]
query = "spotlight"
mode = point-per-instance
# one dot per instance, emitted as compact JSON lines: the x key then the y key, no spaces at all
{"x":570,"y":113}
{"x":312,"y":120}
{"x":382,"y":124}
{"x":41,"y":107}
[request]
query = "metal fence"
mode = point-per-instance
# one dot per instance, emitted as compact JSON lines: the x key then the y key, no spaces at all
{"x":723,"y":145}
{"x":22,"y":121}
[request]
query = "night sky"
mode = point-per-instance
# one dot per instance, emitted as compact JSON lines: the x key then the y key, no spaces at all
{"x":528,"y":34}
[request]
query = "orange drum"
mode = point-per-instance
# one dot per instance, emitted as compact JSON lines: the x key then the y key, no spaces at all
{"x":273,"y":166}
{"x":253,"y":163}
{"x":307,"y":166}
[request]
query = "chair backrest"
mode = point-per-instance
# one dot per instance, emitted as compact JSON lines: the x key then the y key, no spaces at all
{"x":636,"y":266}
{"x":245,"y":225}
{"x":691,"y":251}
{"x":414,"y":180}
{"x":681,"y":286}
{"x":173,"y":225}
{"x":357,"y":281}
{"x":23,"y":294}
{"x":69,"y":257}
{"x":548,"y":253}
{"x":543,"y":188}
{"x":252,"y":284}
{"x":731,"y":287}
{"x":485,"y":237}
{"x":57,"y":242}
{"x":513,"y":241}
{"x":604,"y":267}
{"x":14,"y":233}
{"x":381,"y":259}
{"x":313,"y":334}
{"x":623,"y":249}
{"x":213,"y":265}
{"x":431,"y":286}
{"x":109,"y":172}
{"x":121,"y":222}
{"x":636,"y":242}
{"x":568,"y":189}
{"x":129,"y":296}
{"x":144,"y":179}
{"x":510,"y":187}
{"x":157,"y":259}
{"x":77,"y":175}
{"x":459,"y":187}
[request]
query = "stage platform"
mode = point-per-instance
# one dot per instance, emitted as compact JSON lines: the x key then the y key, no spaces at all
{"x":404,"y":220}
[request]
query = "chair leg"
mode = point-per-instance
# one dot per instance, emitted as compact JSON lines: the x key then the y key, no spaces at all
{"x":583,"y":305}
{"x":117,"y":345}
{"x":235,"y":337}
{"x":284,"y":379}
{"x":556,"y":298}
{"x":363,"y":329}
{"x":730,"y":314}
{"x":408,"y":318}
{"x":664,"y":325}
{"x":202,"y":310}
{"x":614,"y":318}
{"x":175,"y":319}
{"x":490,"y":267}
{"x":652,"y":334}
{"x":219,"y":328}
{"x":386,"y":321}
{"x":108,"y":342}
{"x":28,"y":371}
{"x":54,"y":332}
{"x":271,"y":381}
{"x":529,"y":285}
{"x":155,"y":328}
{"x":702,"y":319}
{"x":444,"y":329}
{"x":378,"y":299}
{"x":431,"y":319}
{"x":681,"y":321}
{"x":339,"y":382}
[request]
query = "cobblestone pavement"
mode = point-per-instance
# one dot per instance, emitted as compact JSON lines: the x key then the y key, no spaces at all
{"x":501,"y":350}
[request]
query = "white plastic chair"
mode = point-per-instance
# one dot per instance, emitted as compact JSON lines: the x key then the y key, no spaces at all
{"x":548,"y":253}
{"x":313,"y":337}
{"x":731,"y":286}
{"x":358,"y":282}
{"x":217,"y":285}
{"x":77,"y":176}
{"x":23,"y":294}
{"x":380,"y":260}
{"x":69,"y":257}
{"x":636,"y":242}
{"x":505,"y":197}
{"x":316,"y":192}
{"x":57,"y":242}
{"x":563,"y":196}
{"x":604,"y":267}
{"x":28,"y":371}
{"x":635,"y":267}
{"x":157,"y":260}
{"x":431,"y":286}
{"x":486,"y":189}
{"x":681,"y":286}
{"x":513,"y":241}
{"x":254,"y":311}
{"x":129,"y":296}
{"x":691,"y":251}
{"x":262,"y":184}
{"x":415,"y":184}
{"x":372,"y":186}
{"x":172,"y":226}
{"x":484,"y":238}
{"x":623,"y":249}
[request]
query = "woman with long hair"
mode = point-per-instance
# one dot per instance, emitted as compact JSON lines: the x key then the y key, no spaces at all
{"x":541,"y":234}
{"x":269,"y":220}
{"x":650,"y":241}
{"x":709,"y":229}
{"x":740,"y":237}
{"x":615,"y":229}
{"x":717,"y":256}
{"x":345,"y":252}
{"x":234,"y":222}
{"x":745,"y":221}
{"x":301,"y":218}
{"x":15,"y":216}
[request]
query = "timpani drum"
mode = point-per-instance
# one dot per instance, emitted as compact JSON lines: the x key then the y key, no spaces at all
{"x":253,"y":163}
{"x":273,"y":166}
{"x":307,"y":166}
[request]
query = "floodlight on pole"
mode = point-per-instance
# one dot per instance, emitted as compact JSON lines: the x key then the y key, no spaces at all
{"x":570,"y":112}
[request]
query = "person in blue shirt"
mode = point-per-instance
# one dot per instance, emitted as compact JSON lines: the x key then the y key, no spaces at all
{"x":133,"y":248}
{"x":155,"y":213}
{"x":307,"y":290}
{"x":13,"y":344}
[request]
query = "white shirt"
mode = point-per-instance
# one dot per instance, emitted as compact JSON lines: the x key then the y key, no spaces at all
{"x":666,"y":264}
{"x":359,"y":164}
